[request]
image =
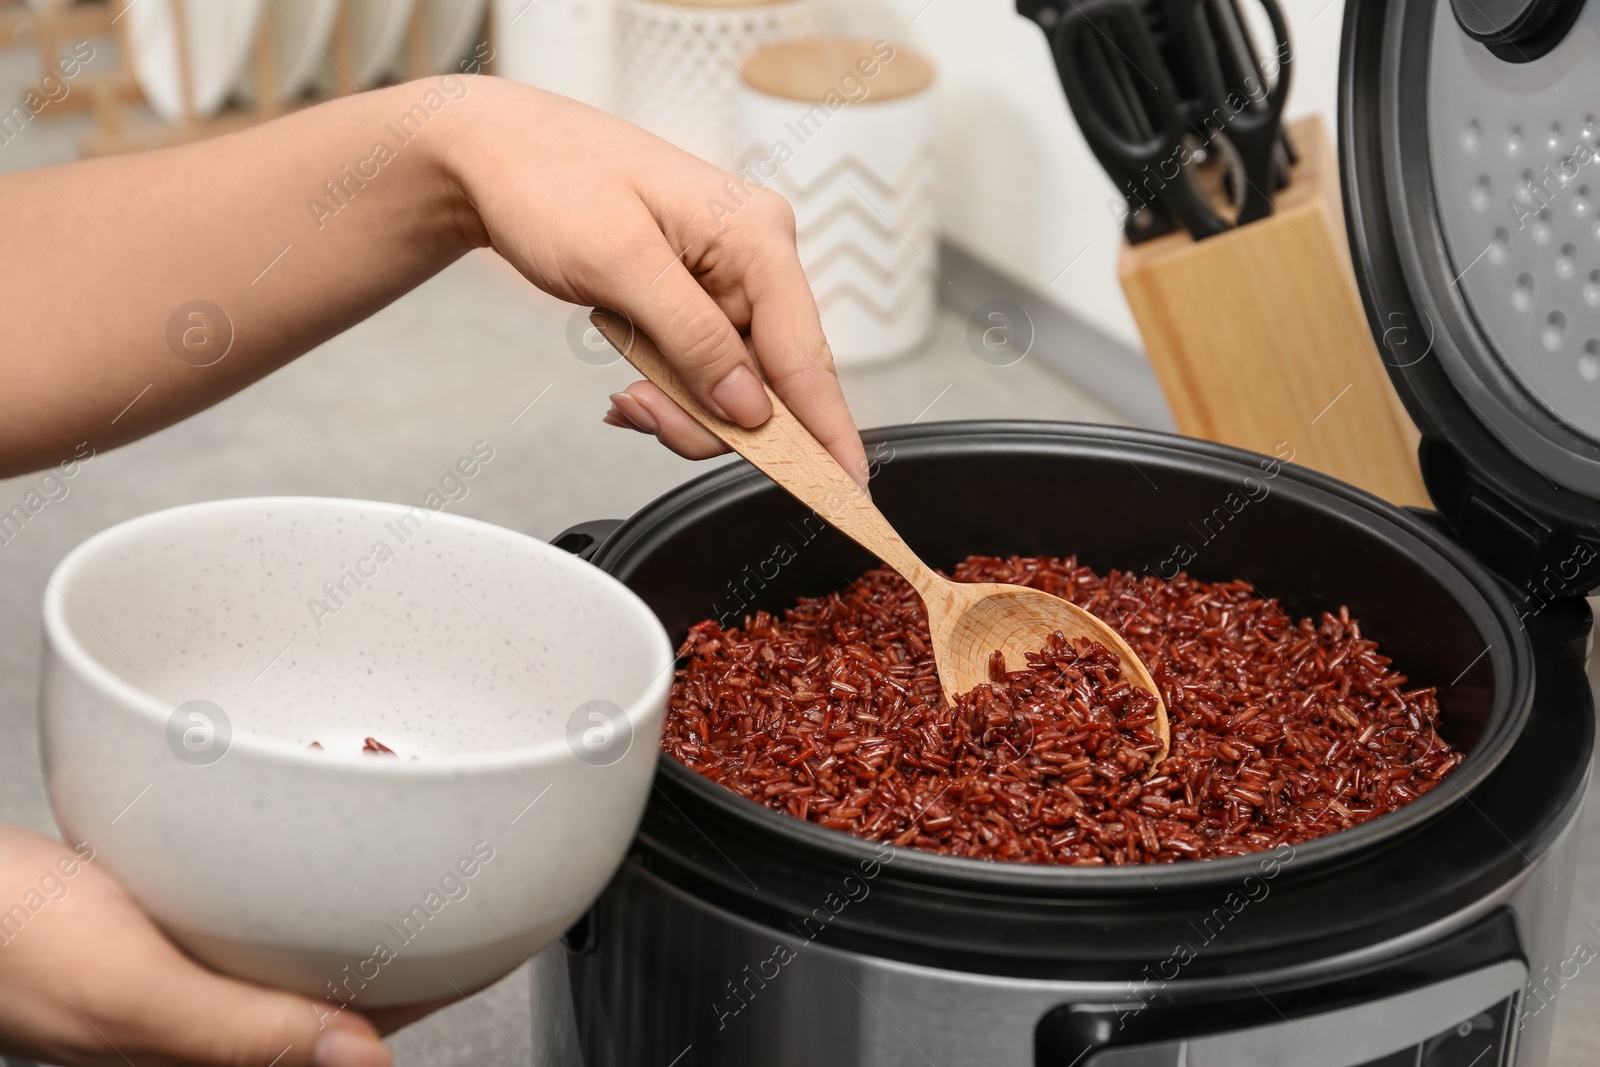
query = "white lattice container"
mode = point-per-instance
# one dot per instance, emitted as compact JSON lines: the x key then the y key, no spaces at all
{"x":854,"y":154}
{"x":678,"y":64}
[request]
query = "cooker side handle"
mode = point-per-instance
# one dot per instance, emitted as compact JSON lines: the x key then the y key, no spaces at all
{"x":585,"y":539}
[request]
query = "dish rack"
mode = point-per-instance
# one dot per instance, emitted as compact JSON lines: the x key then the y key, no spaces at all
{"x":47,"y":26}
{"x":118,"y":128}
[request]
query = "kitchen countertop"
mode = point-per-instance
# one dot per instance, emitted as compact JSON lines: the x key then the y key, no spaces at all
{"x":381,"y":412}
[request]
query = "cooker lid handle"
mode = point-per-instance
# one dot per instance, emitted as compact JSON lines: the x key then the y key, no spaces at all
{"x":1517,"y":31}
{"x":585,"y":539}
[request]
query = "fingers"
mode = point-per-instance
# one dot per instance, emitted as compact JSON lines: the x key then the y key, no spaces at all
{"x":90,"y":980}
{"x":249,"y":1026}
{"x":786,"y":334}
{"x":184,"y":1014}
{"x":695,"y":334}
{"x":344,"y":1048}
{"x":717,"y":364}
{"x":648,"y":410}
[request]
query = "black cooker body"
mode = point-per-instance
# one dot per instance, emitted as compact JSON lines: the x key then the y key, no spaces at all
{"x":735,"y":935}
{"x":711,"y":861}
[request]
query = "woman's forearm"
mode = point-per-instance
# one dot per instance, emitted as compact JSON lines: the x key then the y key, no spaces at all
{"x":128,"y":276}
{"x":147,"y":287}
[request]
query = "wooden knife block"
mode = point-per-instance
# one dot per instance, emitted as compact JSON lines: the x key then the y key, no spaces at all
{"x":1260,"y":340}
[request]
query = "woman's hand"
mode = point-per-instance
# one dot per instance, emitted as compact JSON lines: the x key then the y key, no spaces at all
{"x":707,"y":267}
{"x":86,"y":978}
{"x":145,"y":287}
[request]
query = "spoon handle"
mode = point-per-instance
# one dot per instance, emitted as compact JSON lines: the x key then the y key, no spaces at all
{"x":782,"y":449}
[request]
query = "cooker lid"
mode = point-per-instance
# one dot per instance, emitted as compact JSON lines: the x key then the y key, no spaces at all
{"x":1470,"y":156}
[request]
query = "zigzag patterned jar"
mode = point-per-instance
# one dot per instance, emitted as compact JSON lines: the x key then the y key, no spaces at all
{"x":843,"y":128}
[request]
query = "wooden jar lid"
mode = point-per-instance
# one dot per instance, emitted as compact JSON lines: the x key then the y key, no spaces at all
{"x":730,"y":4}
{"x":810,"y":68}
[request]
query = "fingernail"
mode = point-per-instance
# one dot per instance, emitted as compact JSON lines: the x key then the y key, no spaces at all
{"x":741,"y":397}
{"x":859,"y":476}
{"x":344,"y":1048}
{"x":636,"y":413}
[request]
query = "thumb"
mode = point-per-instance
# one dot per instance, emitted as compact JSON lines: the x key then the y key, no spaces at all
{"x":92,"y":980}
{"x":248,"y":1026}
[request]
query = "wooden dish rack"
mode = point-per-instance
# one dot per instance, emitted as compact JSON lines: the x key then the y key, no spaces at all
{"x":46,"y":29}
{"x":117,"y":129}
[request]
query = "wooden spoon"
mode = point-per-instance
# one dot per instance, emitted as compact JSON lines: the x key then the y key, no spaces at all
{"x":968,"y":621}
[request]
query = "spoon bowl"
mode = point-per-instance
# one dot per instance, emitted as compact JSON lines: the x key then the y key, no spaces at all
{"x":982,"y":617}
{"x":967,"y":621}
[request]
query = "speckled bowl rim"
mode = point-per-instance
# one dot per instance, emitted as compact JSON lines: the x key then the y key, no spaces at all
{"x":126,"y":696}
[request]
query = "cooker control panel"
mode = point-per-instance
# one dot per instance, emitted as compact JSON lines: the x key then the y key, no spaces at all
{"x":1469,"y":1020}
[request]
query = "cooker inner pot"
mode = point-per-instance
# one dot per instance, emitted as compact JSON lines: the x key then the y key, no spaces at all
{"x":733,"y":543}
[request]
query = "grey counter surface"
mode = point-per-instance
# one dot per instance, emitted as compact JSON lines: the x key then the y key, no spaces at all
{"x":382,"y":411}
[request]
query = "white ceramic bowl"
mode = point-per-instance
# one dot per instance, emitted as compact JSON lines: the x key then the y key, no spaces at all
{"x":529,"y":686}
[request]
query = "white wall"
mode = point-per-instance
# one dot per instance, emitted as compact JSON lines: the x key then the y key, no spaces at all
{"x":1021,"y":189}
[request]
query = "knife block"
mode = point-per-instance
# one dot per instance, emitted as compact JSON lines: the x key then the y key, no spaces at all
{"x":1260,"y":340}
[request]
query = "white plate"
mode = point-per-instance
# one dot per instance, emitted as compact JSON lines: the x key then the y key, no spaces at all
{"x":302,"y":46}
{"x":302,"y":30}
{"x":451,"y":26}
{"x":220,"y":33}
{"x":378,"y":32}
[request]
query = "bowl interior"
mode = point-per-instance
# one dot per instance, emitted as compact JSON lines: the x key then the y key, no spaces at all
{"x":311,"y":619}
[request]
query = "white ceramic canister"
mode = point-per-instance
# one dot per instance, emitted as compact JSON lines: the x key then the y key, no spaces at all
{"x":565,"y":46}
{"x":843,"y":127}
{"x":678,"y":64}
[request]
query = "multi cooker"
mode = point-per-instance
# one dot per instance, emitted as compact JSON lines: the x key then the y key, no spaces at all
{"x":734,"y":935}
